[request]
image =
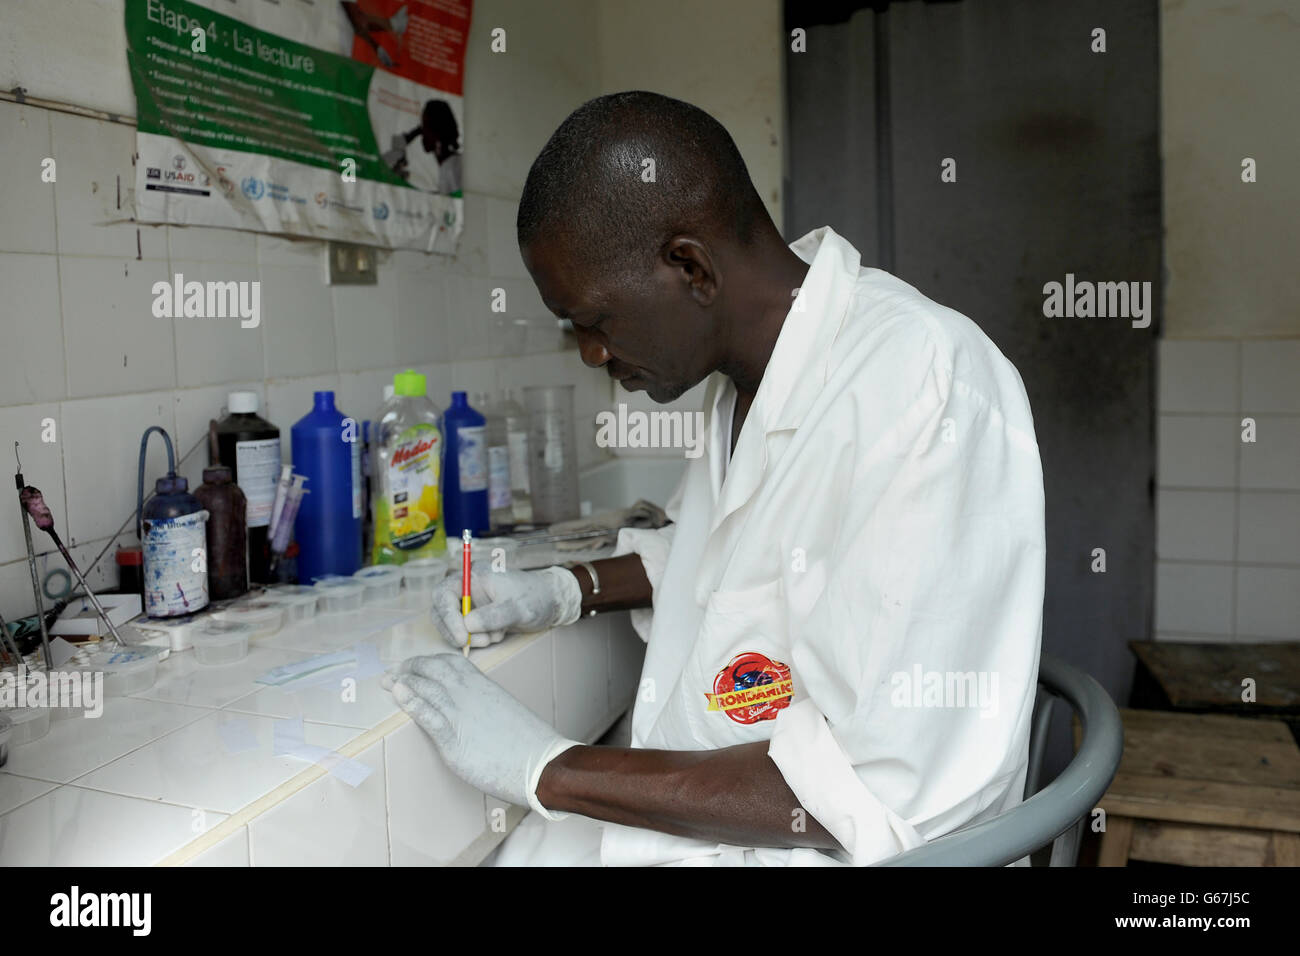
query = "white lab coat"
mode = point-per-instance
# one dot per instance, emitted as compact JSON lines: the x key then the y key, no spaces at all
{"x":881,"y":521}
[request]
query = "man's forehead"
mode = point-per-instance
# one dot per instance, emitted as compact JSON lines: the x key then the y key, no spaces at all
{"x":566,"y":285}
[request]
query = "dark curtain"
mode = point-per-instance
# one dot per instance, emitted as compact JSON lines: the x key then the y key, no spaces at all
{"x":1058,"y":171}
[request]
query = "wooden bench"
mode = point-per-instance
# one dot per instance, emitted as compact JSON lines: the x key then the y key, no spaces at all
{"x":1203,"y":790}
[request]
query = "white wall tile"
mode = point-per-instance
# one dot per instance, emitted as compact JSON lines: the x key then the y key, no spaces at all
{"x":207,"y":244}
{"x":440,"y":380}
{"x":101,"y":576}
{"x":1195,"y":525}
{"x":101,"y":451}
{"x":281,"y":250}
{"x":327,"y":823}
{"x":433,"y":815}
{"x":527,"y":675}
{"x":365,"y":325}
{"x":1272,"y":460}
{"x":212,"y":350}
{"x":289,"y":400}
{"x":471,"y":256}
{"x":16,"y":598}
{"x":363,"y":392}
{"x":297,"y":321}
{"x":1268,"y":602}
{"x":1269,"y":527}
{"x":31,"y":363}
{"x":115,"y":344}
{"x":1197,"y":451}
{"x":194,"y":407}
{"x":94,"y":195}
{"x":582,"y":677}
{"x":503,"y":244}
{"x":513,"y":331}
{"x":545,"y":335}
{"x":472,"y":375}
{"x":1271,"y":376}
{"x":1198,"y":376}
{"x":42,"y":467}
{"x":26,"y":202}
{"x":422,"y":316}
{"x":1196,"y":598}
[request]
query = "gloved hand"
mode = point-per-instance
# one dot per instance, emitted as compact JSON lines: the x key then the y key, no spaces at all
{"x":488,"y":738}
{"x":506,"y":601}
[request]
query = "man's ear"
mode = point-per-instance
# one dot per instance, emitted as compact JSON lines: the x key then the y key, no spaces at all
{"x":691,"y":259}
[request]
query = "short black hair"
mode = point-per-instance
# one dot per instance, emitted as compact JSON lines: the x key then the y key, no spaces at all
{"x":439,"y":118}
{"x":587,"y":187}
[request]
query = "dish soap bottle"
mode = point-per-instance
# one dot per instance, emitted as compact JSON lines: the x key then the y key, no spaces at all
{"x":406,"y":466}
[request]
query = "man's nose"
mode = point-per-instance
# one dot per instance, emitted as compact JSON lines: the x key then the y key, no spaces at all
{"x":593,"y":354}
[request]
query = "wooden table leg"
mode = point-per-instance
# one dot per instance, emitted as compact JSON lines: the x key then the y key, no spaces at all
{"x":1115,"y":842}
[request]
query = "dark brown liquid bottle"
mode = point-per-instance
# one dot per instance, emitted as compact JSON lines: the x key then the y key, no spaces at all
{"x":250,"y":446}
{"x":227,"y":532}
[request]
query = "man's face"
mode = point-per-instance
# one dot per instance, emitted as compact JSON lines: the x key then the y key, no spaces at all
{"x":653,"y":336}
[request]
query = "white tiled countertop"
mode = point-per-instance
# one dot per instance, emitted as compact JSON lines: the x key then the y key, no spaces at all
{"x":184,"y":773}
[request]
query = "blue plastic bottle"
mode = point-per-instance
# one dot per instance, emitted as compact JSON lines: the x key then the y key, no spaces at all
{"x":327,"y":450}
{"x":464,"y":469}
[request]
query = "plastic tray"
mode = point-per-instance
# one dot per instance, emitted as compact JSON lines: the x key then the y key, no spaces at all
{"x":126,"y":671}
{"x":221,"y":642}
{"x":340,"y":595}
{"x":263,"y":617}
{"x":175,"y":631}
{"x":383,"y":583}
{"x":423,"y":574}
{"x":27,"y":724}
{"x":299,"y":603}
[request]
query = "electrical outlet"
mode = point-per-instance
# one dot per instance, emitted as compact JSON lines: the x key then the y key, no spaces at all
{"x":350,"y":264}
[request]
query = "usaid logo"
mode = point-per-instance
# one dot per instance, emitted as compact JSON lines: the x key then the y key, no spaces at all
{"x":178,"y":163}
{"x":381,"y":211}
{"x":252,"y":187}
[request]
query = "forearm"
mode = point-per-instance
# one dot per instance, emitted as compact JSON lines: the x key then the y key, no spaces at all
{"x":623,"y":585}
{"x":735,"y":796}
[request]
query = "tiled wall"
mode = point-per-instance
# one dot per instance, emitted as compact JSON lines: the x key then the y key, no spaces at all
{"x":1228,"y":511}
{"x":83,"y":349}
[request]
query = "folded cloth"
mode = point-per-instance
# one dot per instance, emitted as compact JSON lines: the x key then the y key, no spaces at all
{"x":643,"y":514}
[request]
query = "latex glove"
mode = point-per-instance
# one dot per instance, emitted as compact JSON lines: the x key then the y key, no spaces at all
{"x":506,"y":601}
{"x":487,"y":737}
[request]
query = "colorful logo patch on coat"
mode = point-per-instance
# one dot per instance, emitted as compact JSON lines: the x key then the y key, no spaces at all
{"x":751,"y":688}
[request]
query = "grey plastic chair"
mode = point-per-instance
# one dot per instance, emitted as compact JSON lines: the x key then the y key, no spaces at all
{"x":1055,"y":814}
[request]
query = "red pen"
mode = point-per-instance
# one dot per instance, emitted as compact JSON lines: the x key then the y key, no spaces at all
{"x":467,"y":547}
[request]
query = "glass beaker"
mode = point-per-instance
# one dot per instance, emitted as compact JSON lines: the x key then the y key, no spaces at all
{"x":552,"y":453}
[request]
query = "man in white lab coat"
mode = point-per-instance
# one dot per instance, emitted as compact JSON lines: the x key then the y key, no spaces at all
{"x":847,"y":607}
